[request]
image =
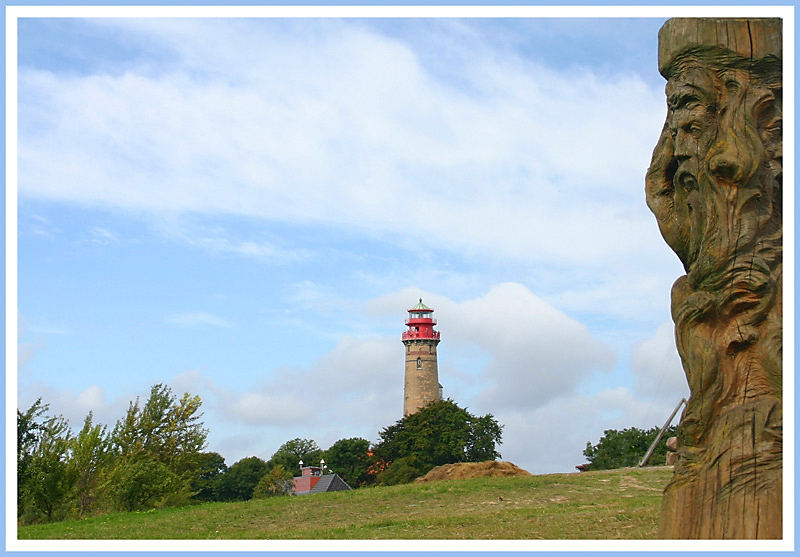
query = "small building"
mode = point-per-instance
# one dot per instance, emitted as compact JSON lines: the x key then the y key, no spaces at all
{"x":312,"y":480}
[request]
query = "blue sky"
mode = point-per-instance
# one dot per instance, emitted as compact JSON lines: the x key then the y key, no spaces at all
{"x":245,"y":208}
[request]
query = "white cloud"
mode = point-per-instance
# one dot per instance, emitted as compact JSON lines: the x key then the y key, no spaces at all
{"x":101,"y":236}
{"x":351,"y":391}
{"x":657,"y":366}
{"x":552,"y":438}
{"x":198,"y":319}
{"x":26,"y":352}
{"x":75,"y":406}
{"x":219,"y":240}
{"x":339,"y":125}
{"x":91,"y":397}
{"x":39,"y":225}
{"x":359,"y":381}
{"x":269,"y":408}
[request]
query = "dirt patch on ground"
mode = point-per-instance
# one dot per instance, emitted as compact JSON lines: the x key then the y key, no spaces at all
{"x":466,"y":470}
{"x":629,"y":481}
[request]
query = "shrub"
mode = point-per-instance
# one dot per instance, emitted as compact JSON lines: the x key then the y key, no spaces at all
{"x":278,"y":481}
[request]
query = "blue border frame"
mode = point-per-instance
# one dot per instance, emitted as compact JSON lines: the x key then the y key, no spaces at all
{"x":6,"y":3}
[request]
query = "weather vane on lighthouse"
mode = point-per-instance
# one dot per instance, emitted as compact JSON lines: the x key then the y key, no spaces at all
{"x":422,"y":370}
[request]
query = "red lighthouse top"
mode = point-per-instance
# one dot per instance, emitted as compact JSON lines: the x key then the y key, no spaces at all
{"x":420,"y":323}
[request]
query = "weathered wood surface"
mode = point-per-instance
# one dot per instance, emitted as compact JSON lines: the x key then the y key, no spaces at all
{"x":715,"y":187}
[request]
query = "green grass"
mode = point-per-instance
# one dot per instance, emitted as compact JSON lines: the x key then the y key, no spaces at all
{"x":616,"y":504}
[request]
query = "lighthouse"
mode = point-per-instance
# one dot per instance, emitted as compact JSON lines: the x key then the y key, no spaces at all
{"x":422,"y":370}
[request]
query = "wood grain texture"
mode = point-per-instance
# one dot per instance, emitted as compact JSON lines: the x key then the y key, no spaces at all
{"x":715,"y":187}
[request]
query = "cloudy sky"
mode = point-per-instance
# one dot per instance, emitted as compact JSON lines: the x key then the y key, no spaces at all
{"x":244,"y":209}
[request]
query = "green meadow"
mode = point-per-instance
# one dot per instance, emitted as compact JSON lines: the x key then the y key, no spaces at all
{"x":614,"y":504}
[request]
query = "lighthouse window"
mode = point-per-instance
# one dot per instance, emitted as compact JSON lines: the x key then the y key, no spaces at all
{"x":419,"y":363}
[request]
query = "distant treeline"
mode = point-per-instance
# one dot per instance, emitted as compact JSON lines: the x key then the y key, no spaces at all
{"x":155,"y":457}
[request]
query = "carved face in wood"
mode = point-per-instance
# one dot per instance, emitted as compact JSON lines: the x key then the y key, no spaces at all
{"x":714,"y":182}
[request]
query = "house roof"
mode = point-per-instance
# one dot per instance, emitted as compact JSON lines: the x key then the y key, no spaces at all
{"x":328,"y":482}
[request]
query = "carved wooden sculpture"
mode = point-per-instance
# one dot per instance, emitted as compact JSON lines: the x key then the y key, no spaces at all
{"x":715,"y":187}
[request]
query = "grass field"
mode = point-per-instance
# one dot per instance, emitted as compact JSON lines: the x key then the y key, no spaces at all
{"x":615,"y":504}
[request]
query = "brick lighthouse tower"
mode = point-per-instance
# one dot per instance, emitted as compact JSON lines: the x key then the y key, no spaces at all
{"x":422,"y":371}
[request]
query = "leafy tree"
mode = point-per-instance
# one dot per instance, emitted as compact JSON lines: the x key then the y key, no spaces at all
{"x":89,"y":455}
{"x":621,"y":448}
{"x":150,"y":459}
{"x":278,"y":481}
{"x":293,"y":451}
{"x":166,"y":429}
{"x":485,"y":432}
{"x":166,"y":433}
{"x":350,"y":459}
{"x":440,"y":433}
{"x":29,"y":430}
{"x":44,"y":482}
{"x":239,"y":481}
{"x":205,"y":483}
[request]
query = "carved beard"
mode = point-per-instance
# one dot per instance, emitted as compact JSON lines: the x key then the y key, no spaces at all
{"x":714,"y":185}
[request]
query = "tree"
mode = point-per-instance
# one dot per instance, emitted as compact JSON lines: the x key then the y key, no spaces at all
{"x":485,"y":432}
{"x":29,"y":430}
{"x":45,"y":482}
{"x":350,"y":459}
{"x":89,"y":455}
{"x":440,"y":433}
{"x":205,"y":483}
{"x":293,"y":451}
{"x":166,"y":429}
{"x":618,"y":449}
{"x":167,"y":434}
{"x":239,"y":481}
{"x":278,"y":481}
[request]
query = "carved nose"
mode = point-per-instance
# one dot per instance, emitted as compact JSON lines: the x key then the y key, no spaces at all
{"x":723,"y":166}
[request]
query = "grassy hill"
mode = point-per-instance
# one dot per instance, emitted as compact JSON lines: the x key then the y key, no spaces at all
{"x":615,"y":504}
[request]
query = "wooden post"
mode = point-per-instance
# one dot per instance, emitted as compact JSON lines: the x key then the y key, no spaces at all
{"x":715,"y":187}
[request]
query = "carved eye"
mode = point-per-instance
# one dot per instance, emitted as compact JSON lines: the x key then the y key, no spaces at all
{"x":692,"y":128}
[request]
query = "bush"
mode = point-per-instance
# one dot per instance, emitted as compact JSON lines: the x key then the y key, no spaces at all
{"x":402,"y":471}
{"x":142,"y":484}
{"x":278,"y":481}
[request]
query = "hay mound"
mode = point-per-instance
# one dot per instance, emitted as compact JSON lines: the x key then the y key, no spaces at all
{"x":466,"y":470}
